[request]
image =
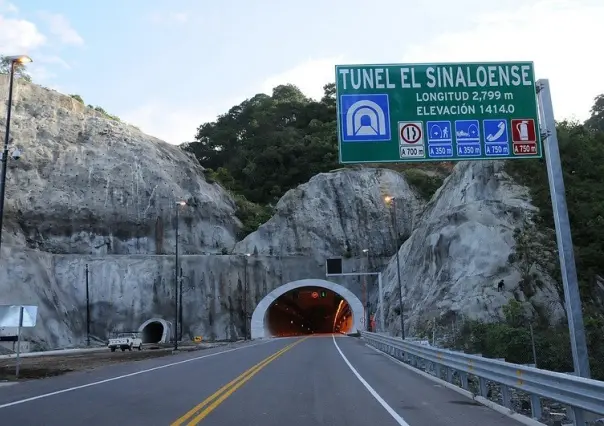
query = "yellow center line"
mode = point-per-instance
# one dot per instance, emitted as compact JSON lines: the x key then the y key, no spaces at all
{"x":207,"y":406}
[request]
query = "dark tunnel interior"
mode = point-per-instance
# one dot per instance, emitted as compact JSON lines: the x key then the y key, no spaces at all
{"x":153,"y":332}
{"x":308,"y":310}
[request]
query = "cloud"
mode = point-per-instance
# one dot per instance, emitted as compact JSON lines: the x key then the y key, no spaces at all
{"x":173,"y":125}
{"x":310,"y":76}
{"x":52,"y":60}
{"x":18,"y":36}
{"x":60,"y":27}
{"x":558,"y":35}
{"x":7,"y":7}
{"x":169,"y":17}
{"x":179,"y":124}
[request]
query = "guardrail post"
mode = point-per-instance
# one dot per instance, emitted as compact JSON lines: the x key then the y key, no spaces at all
{"x":506,"y":396}
{"x":482,"y":387}
{"x":574,"y":414}
{"x":437,"y":370}
{"x":449,"y":375}
{"x":536,"y":407}
{"x":463,"y":378}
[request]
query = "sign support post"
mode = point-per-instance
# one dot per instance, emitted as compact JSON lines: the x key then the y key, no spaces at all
{"x":18,"y":360}
{"x":563,"y":234}
{"x":381,"y":303}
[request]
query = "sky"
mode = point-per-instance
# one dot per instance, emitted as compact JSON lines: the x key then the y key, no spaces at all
{"x":170,"y":66}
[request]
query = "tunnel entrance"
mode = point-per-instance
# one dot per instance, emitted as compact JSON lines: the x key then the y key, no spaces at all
{"x":308,"y":310}
{"x":307,"y":307}
{"x":155,"y":330}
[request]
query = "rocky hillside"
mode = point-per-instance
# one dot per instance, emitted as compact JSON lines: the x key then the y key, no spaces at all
{"x":461,"y":249}
{"x":91,"y":185}
{"x":454,"y":250}
{"x":339,"y":213}
{"x":91,"y":190}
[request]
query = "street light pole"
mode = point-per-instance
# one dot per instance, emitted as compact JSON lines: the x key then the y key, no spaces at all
{"x":181,"y":203}
{"x":245,"y":289}
{"x":13,"y":61}
{"x":87,"y":310}
{"x":365,"y":294}
{"x":180,"y":305}
{"x":398,"y":262}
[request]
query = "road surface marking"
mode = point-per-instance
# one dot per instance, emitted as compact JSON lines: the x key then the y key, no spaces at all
{"x":136,"y":373}
{"x":378,"y":398}
{"x":210,"y":403}
{"x":212,"y":397}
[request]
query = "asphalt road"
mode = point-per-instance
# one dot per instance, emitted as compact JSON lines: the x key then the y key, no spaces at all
{"x":291,"y":381}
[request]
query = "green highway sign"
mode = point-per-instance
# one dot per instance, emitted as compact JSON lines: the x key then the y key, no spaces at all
{"x":437,"y":112}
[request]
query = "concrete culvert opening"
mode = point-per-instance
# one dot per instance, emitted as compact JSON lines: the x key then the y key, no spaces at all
{"x":153,"y":332}
{"x":308,"y":310}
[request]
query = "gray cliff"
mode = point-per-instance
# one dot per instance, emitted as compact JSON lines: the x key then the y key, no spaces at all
{"x":87,"y":184}
{"x":92,"y":191}
{"x":460,"y":250}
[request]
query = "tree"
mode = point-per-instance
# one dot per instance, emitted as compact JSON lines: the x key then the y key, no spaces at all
{"x":596,"y":121}
{"x":269,"y":144}
{"x":20,"y":69}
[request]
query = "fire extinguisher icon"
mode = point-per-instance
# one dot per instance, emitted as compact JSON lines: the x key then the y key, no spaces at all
{"x":522,"y":128}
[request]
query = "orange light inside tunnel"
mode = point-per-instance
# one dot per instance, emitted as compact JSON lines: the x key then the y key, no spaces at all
{"x":308,"y":310}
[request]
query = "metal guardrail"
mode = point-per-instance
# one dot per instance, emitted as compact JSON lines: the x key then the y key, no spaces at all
{"x":575,"y":392}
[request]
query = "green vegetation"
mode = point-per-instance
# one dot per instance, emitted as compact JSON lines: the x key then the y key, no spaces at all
{"x":105,"y":113}
{"x":267,"y":145}
{"x":582,"y":153}
{"x":77,"y":98}
{"x":511,"y":339}
{"x":425,"y":183}
{"x":250,"y":214}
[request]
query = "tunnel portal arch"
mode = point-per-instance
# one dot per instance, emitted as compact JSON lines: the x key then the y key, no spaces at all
{"x":258,"y":327}
{"x":156,"y":330}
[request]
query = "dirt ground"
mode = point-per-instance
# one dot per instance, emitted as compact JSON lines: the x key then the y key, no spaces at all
{"x":55,"y":365}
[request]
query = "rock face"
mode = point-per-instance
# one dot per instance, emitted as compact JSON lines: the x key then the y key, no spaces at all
{"x":87,"y":184}
{"x":451,"y":264}
{"x":338,"y":214}
{"x":90,"y":190}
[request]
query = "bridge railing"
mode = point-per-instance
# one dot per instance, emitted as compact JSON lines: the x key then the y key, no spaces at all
{"x":577,"y":393}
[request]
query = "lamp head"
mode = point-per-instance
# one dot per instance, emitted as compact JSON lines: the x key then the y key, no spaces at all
{"x":19,"y":59}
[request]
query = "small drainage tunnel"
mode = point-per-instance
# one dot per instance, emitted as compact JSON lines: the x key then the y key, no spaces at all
{"x":154,"y":331}
{"x":308,"y":310}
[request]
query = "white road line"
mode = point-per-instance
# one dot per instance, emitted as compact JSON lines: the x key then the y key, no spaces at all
{"x":136,"y":373}
{"x":372,"y":391}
